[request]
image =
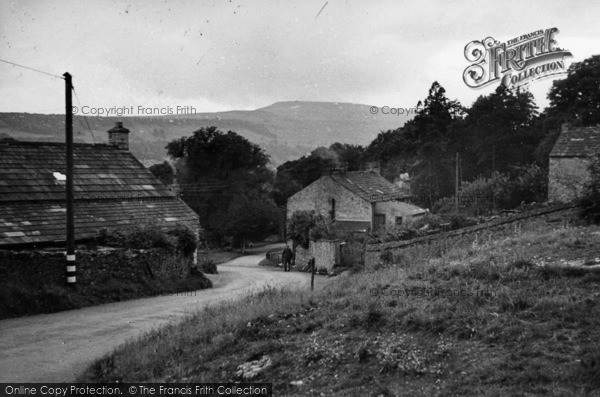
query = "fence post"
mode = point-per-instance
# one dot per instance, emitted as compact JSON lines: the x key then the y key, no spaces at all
{"x":312,"y":274}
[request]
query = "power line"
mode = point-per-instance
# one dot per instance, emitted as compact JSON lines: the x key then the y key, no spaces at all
{"x":35,"y":70}
{"x":84,"y":116}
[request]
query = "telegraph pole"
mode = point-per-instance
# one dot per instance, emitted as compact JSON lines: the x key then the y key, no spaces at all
{"x":71,"y":278}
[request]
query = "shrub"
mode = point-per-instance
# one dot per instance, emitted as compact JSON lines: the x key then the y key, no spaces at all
{"x":208,"y":266}
{"x":395,"y":233}
{"x":322,"y":229}
{"x":458,"y":221}
{"x":477,"y":197}
{"x":110,"y":238}
{"x":430,"y":220}
{"x":306,"y":225}
{"x":145,"y":238}
{"x":181,"y":239}
{"x":187,"y":242}
{"x":525,"y":185}
{"x":529,"y":184}
{"x":299,"y":226}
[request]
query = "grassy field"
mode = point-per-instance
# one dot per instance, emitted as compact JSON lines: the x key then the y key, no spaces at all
{"x":491,"y":317}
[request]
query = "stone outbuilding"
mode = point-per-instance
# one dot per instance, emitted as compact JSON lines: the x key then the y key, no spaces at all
{"x":568,"y":163}
{"x":355,"y":201}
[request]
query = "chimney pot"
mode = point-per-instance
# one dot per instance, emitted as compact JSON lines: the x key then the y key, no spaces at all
{"x":118,"y":136}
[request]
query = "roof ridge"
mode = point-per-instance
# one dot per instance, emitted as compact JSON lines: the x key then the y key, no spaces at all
{"x":45,"y":143}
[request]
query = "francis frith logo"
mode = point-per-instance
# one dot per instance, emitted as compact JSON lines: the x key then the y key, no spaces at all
{"x":517,"y":62}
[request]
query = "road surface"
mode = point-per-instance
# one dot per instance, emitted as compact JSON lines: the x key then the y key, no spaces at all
{"x":57,"y":347}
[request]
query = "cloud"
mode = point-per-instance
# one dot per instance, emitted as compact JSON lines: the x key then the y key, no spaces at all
{"x":244,"y":55}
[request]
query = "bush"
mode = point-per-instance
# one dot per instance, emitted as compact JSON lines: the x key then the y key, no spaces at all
{"x":395,"y":233}
{"x":299,"y":226}
{"x":306,"y":225}
{"x":529,"y":184}
{"x":525,"y":185}
{"x":208,"y":266}
{"x":322,"y":229}
{"x":187,"y":242}
{"x":110,"y":238}
{"x":430,"y":220}
{"x":458,"y":221}
{"x":181,"y":239}
{"x":145,"y":238}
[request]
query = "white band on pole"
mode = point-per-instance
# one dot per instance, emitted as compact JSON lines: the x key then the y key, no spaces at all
{"x":71,"y":279}
{"x":71,"y":257}
{"x":71,"y":268}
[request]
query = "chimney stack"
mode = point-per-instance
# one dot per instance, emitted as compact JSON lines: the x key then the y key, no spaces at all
{"x":373,"y":166}
{"x":119,"y":136}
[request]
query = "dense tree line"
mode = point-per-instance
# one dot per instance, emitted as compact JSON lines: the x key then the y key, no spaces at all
{"x":499,"y":134}
{"x":500,"y":139}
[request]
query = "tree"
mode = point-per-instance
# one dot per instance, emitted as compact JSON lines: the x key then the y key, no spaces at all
{"x":298,"y":228}
{"x":212,"y":153}
{"x":501,"y":131}
{"x":432,"y":174}
{"x":352,"y":155}
{"x":304,"y":226}
{"x":249,"y":217}
{"x":163,"y":172}
{"x":293,"y":176}
{"x":393,"y":150}
{"x":222,"y":175}
{"x":576,"y":99}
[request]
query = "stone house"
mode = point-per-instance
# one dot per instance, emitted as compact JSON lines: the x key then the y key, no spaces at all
{"x":112,"y":190}
{"x":568,"y":162}
{"x":355,"y":201}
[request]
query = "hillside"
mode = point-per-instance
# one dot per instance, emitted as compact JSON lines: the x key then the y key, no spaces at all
{"x":508,"y":313}
{"x":286,"y":130}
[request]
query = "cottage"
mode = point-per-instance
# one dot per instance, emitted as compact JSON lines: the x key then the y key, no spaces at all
{"x":568,"y":162}
{"x":355,"y":201}
{"x":112,"y":190}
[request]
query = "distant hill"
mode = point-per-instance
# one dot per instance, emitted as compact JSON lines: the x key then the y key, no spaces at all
{"x":286,"y":130}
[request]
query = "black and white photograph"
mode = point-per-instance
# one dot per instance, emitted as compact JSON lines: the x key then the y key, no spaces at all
{"x":299,"y":198}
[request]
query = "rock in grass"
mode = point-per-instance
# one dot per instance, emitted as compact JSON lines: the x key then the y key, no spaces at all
{"x":250,"y":369}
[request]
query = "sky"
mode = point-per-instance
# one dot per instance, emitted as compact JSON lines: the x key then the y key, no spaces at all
{"x":243,"y":55}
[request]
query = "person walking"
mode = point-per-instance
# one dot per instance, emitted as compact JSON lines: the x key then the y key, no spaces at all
{"x":286,"y":257}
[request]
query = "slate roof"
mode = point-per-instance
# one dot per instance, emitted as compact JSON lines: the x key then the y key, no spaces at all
{"x":343,"y":226}
{"x":112,"y":189}
{"x":369,"y":185}
{"x":577,"y":142}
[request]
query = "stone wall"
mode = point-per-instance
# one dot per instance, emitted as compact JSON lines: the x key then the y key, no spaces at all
{"x":49,"y":267}
{"x":566,"y":178}
{"x":326,"y":254}
{"x":376,"y":254}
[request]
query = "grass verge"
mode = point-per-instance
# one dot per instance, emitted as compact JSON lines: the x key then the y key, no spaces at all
{"x":479,"y":318}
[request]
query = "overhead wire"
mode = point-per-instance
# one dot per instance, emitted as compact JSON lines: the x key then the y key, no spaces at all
{"x":33,"y":69}
{"x":84,"y":116}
